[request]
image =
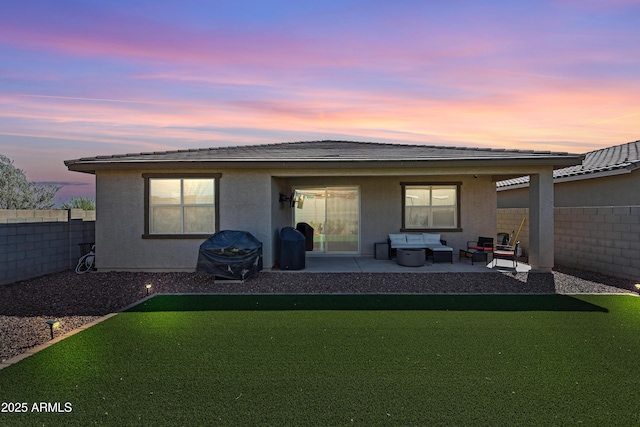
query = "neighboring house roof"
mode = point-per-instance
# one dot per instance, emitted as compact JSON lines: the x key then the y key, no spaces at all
{"x":325,"y":152}
{"x":616,"y":160}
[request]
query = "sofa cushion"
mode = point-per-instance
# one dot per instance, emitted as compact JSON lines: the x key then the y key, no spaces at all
{"x":480,"y":248}
{"x":397,"y":238}
{"x":503,"y":253}
{"x":440,"y":248}
{"x":431,"y":238}
{"x":415,"y":239}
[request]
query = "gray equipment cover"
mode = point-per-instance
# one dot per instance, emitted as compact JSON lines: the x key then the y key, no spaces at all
{"x":230,"y":254}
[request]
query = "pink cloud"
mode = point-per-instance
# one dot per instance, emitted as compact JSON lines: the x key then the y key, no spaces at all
{"x":108,"y":35}
{"x":142,"y":40}
{"x":496,"y":118}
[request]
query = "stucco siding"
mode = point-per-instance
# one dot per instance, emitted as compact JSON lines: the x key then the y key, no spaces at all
{"x":381,"y":211}
{"x":616,"y":190}
{"x":281,"y":216}
{"x":513,"y":198}
{"x":478,"y":211}
{"x":120,"y":226}
{"x":249,"y":202}
{"x":246,"y":203}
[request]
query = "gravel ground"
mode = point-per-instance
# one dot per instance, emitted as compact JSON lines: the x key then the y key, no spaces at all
{"x":75,"y":300}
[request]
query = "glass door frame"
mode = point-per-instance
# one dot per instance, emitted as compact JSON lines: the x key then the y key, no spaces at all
{"x":327,"y":188}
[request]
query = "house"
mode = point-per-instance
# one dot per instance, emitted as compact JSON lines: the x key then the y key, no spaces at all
{"x":154,"y":209}
{"x":607,"y":177}
{"x":597,"y":214}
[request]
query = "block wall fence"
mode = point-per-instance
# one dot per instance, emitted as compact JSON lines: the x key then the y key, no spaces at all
{"x":34,"y":243}
{"x":602,"y":239}
{"x":15,"y":216}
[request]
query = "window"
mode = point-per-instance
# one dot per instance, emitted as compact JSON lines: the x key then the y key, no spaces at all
{"x":430,"y":206}
{"x":181,"y":206}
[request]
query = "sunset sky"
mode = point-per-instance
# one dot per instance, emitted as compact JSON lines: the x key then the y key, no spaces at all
{"x":93,"y":77}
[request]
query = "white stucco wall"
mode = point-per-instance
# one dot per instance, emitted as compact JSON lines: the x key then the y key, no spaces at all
{"x":245,"y":204}
{"x":616,"y":190}
{"x":249,"y":201}
{"x":120,"y":226}
{"x":281,"y":215}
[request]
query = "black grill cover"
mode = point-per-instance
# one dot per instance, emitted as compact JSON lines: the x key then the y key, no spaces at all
{"x":292,"y":256}
{"x":230,"y":254}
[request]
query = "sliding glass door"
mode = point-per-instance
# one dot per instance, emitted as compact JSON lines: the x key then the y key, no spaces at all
{"x":334,"y":214}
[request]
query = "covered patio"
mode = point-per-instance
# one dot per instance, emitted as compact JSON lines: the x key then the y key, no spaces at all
{"x":368,"y":264}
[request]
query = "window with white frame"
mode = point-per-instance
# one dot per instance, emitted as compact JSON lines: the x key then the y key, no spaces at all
{"x":431,"y":206}
{"x":181,"y":205}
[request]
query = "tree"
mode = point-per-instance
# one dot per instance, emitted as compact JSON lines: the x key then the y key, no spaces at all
{"x":84,"y":203}
{"x":18,"y":193}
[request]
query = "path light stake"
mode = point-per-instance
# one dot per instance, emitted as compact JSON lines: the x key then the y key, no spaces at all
{"x":637,"y":287}
{"x":148,"y":286}
{"x":52,"y":324}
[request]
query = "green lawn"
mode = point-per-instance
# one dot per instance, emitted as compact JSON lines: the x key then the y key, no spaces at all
{"x":392,"y":360}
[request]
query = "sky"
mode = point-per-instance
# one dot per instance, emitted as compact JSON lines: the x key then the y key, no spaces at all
{"x":100,"y":77}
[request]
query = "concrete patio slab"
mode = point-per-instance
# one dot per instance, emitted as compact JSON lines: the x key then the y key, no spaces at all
{"x":368,"y":264}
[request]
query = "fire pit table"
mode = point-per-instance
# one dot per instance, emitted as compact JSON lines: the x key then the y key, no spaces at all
{"x":411,"y":257}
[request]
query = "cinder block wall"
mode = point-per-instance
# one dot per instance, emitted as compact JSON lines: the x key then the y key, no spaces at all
{"x":509,"y":221}
{"x":31,"y":249}
{"x":600,"y":239}
{"x":15,"y":216}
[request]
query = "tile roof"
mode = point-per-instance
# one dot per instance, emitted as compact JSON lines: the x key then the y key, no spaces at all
{"x":622,"y":158}
{"x":318,"y":151}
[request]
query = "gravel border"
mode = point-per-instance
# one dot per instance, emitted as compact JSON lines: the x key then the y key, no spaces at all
{"x":75,"y":300}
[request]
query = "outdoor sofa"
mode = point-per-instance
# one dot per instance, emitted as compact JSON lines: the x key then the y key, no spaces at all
{"x":431,"y":242}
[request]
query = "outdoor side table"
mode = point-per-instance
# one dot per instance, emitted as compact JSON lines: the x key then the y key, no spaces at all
{"x":381,"y":250}
{"x":411,"y":257}
{"x":474,"y":254}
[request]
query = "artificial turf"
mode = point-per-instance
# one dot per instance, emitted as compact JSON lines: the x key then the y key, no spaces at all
{"x":436,"y":360}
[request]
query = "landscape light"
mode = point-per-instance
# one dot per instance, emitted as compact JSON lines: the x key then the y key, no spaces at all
{"x":638,"y":287}
{"x":52,"y":324}
{"x":148,"y":286}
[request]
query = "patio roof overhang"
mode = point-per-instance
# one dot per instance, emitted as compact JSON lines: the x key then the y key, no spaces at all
{"x":491,"y":166}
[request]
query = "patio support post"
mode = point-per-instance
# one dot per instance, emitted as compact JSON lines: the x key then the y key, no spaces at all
{"x":541,"y":231}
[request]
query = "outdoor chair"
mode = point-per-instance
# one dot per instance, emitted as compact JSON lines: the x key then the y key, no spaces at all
{"x":482,"y":244}
{"x":507,"y":252}
{"x":478,"y":250}
{"x":503,"y":239}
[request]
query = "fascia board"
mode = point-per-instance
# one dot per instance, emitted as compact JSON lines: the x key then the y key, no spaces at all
{"x":573,"y":178}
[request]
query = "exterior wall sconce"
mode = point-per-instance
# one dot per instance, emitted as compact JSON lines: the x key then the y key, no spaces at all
{"x":284,"y":198}
{"x":292,"y":199}
{"x":53,"y":324}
